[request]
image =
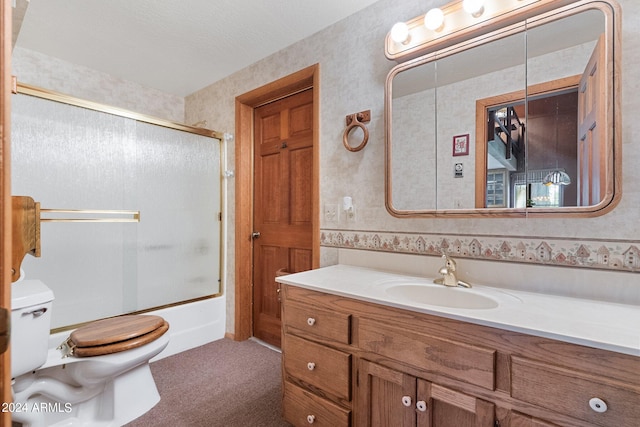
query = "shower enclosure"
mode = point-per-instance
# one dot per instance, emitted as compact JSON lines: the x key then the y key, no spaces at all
{"x":68,"y":156}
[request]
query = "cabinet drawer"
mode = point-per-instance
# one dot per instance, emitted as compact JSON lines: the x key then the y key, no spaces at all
{"x":321,"y":323}
{"x":319,"y":366}
{"x":465,"y":362}
{"x":302,"y":408}
{"x":569,"y":391}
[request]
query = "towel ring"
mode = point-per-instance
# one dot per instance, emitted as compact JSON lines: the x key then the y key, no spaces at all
{"x":356,"y":121}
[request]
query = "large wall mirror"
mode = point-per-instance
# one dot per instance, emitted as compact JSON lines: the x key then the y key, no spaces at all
{"x":519,"y":121}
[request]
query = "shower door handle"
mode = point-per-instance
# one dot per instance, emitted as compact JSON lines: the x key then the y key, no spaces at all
{"x":255,"y":235}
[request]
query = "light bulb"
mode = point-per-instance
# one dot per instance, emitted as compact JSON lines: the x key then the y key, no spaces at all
{"x":400,"y":32}
{"x":473,"y":7}
{"x":434,"y":18}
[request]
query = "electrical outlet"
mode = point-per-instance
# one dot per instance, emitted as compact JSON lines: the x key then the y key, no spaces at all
{"x":331,"y":213}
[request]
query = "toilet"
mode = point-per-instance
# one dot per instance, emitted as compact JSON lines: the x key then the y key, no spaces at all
{"x":98,"y":377}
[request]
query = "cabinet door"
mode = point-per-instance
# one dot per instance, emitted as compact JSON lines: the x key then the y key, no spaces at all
{"x":439,"y":406}
{"x":384,"y":397}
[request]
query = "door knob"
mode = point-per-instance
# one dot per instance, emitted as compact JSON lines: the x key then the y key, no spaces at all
{"x":255,"y":234}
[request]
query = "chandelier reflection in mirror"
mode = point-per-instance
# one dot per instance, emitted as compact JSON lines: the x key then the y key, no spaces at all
{"x":557,"y":176}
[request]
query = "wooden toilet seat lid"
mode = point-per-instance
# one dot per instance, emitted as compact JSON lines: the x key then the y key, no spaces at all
{"x":116,"y":334}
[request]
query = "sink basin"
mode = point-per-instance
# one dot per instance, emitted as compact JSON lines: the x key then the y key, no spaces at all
{"x":441,"y":296}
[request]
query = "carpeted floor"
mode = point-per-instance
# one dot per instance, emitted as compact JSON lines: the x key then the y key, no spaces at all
{"x":224,"y":383}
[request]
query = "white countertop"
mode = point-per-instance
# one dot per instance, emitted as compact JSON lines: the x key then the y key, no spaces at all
{"x":608,"y":326}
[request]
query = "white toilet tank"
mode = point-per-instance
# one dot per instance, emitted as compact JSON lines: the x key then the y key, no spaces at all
{"x":31,"y":302}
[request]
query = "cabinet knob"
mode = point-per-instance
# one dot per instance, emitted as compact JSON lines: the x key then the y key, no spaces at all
{"x":311,"y":419}
{"x":421,"y":405}
{"x":311,"y":321}
{"x":311,"y":366}
{"x":406,"y":400}
{"x":598,"y":404}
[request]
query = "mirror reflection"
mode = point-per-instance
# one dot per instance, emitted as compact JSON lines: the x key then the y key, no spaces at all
{"x":487,"y":70}
{"x":543,"y":177}
{"x":511,"y":122}
{"x":414,"y":126}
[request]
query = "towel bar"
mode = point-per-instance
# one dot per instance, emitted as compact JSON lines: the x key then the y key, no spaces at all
{"x":135,"y":215}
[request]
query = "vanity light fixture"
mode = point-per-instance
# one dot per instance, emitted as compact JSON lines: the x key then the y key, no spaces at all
{"x":434,"y":19}
{"x":473,"y":7}
{"x":459,"y":20}
{"x":400,"y":33}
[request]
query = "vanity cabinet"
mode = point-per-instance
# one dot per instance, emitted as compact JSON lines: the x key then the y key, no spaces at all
{"x":317,"y":371}
{"x":348,"y":362}
{"x":386,"y":397}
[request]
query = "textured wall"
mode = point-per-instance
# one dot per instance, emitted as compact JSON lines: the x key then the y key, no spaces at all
{"x":353,"y":72}
{"x":81,"y":82}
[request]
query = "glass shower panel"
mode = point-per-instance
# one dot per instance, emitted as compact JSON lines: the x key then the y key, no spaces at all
{"x":178,"y":193}
{"x":68,"y":157}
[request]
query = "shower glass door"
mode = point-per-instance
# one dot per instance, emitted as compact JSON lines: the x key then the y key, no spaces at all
{"x":69,"y":157}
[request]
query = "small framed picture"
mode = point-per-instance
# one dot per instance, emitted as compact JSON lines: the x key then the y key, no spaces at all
{"x":461,"y":145}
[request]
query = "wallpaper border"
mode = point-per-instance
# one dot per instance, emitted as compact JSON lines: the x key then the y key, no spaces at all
{"x":613,"y":255}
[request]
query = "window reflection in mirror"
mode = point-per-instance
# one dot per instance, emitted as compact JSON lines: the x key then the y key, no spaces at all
{"x":551,"y":78}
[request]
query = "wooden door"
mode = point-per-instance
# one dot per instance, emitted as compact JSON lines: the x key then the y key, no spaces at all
{"x":283,"y":203}
{"x":592,"y":159}
{"x":384,"y":397}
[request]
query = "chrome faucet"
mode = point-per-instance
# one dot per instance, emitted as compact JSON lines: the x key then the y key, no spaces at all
{"x":448,"y":273}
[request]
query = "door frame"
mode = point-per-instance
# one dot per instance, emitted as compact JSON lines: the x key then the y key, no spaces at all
{"x":244,"y":170}
{"x":5,"y":194}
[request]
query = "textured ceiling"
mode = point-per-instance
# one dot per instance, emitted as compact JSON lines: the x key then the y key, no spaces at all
{"x":177,"y":46}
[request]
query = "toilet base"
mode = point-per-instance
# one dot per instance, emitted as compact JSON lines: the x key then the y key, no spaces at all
{"x":48,"y":401}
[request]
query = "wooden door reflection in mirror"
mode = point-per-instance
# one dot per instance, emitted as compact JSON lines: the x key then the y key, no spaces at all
{"x":524,"y":143}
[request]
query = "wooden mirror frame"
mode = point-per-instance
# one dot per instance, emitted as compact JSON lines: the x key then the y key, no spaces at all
{"x":613,"y":190}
